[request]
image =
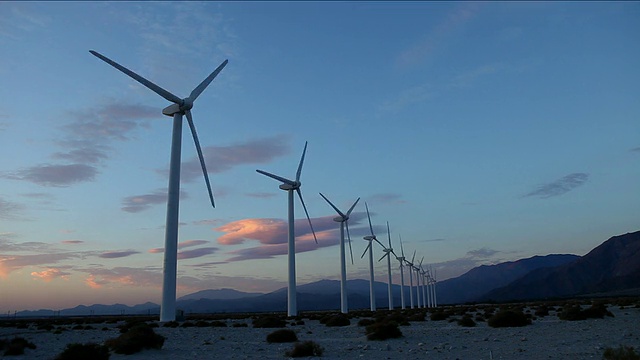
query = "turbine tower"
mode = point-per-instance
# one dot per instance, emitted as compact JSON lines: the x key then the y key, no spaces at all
{"x":290,"y":186}
{"x":388,"y":251}
{"x":410,"y":266}
{"x":371,"y":238}
{"x":401,"y":261}
{"x":418,"y":295}
{"x":179,"y":108}
{"x":343,"y":219}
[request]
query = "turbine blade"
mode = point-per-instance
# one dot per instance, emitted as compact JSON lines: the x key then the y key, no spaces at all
{"x":365,"y":249}
{"x":401,"y":248}
{"x":414,"y":257}
{"x":279,"y":178}
{"x":421,"y":261}
{"x":352,"y":206}
{"x":153,"y":87}
{"x":383,"y":256}
{"x":333,"y":206}
{"x":200,"y":156}
{"x":301,"y":161}
{"x":369,"y":217}
{"x":307,"y":213}
{"x":384,"y":247}
{"x":203,"y":85}
{"x":389,"y":234}
{"x":346,"y":223}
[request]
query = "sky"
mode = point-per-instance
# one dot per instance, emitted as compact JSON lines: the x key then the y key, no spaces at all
{"x":483,"y":132}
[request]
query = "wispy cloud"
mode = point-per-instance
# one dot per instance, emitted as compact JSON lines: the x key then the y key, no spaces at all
{"x":560,"y":186}
{"x":261,"y":195}
{"x":181,"y":245}
{"x":118,"y":254}
{"x":10,"y":263}
{"x":51,"y":274}
{"x":224,"y":158}
{"x":54,"y":175}
{"x":122,"y":276}
{"x":635,"y":150}
{"x":413,"y":95}
{"x":10,"y":210}
{"x":138,"y":203}
{"x":196,"y":253}
{"x":472,"y":259}
{"x":387,"y":198}
{"x":272,"y":234}
{"x":72,"y":242}
{"x":210,"y":222}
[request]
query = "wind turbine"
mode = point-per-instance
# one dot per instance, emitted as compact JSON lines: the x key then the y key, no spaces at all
{"x":410,"y":263}
{"x":418,"y":295}
{"x":343,"y":219}
{"x":435,"y":298}
{"x":388,"y":251}
{"x":401,"y":261}
{"x":179,"y":108}
{"x":290,"y":186}
{"x":425,"y":287}
{"x":370,"y":238}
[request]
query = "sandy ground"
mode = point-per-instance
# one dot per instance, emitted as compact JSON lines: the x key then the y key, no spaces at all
{"x":547,"y":338}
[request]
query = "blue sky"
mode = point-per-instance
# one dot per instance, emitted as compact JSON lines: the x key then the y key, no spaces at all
{"x":482,"y":131}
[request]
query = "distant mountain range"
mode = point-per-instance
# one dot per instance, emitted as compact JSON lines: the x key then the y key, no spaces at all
{"x":613,"y":267}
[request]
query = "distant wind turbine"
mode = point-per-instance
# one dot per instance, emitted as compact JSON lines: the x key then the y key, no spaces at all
{"x":410,"y":267}
{"x":387,"y":253}
{"x":418,"y":294}
{"x":343,"y":219}
{"x":371,"y":238}
{"x":290,"y":186}
{"x":179,"y":108}
{"x":401,"y":260}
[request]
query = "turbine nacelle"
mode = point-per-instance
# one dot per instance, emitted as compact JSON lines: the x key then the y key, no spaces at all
{"x":340,"y":218}
{"x":370,"y":237}
{"x":293,"y":186}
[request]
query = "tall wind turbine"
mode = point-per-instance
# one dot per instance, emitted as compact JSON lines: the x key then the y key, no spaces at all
{"x":418,"y":295}
{"x":343,"y":219}
{"x":401,"y":260}
{"x":179,"y":108}
{"x":371,"y":238}
{"x":425,"y":287}
{"x":387,"y":253}
{"x":410,"y":267}
{"x":290,"y":186}
{"x":435,"y":298}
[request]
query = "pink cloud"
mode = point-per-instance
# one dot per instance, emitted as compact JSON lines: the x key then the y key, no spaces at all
{"x":55,"y":175}
{"x":8,"y":263}
{"x":122,"y":276}
{"x":181,"y":245}
{"x":51,"y":274}
{"x":195,"y":253}
{"x":72,"y":242}
{"x":117,"y":254}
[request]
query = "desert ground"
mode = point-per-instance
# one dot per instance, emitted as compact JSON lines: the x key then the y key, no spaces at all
{"x":548,"y":337}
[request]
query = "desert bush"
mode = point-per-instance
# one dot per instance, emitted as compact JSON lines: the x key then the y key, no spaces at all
{"x":621,"y":353}
{"x":171,"y":324}
{"x":282,"y":336}
{"x":439,"y":316}
{"x":542,"y":311}
{"x":366,"y":322}
{"x":304,"y":349}
{"x":419,"y":316}
{"x":383,"y":331}
{"x":575,"y":312}
{"x":91,"y":351}
{"x":337,"y":320}
{"x":269,"y":322}
{"x":509,"y":318}
{"x":16,"y":346}
{"x":466,"y":321}
{"x":136,"y":339}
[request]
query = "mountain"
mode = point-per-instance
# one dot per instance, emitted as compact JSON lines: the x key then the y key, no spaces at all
{"x":218,"y":294}
{"x":613,"y":266}
{"x":482,"y":279}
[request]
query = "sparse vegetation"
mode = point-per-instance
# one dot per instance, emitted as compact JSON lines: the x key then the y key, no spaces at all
{"x":336,"y":320}
{"x":269,"y":322}
{"x":466,"y":321}
{"x":509,"y":318}
{"x":366,"y":322}
{"x":575,"y":312}
{"x":139,"y":337}
{"x":439,"y":316}
{"x":383,"y":331}
{"x":304,"y":349}
{"x":91,"y":351}
{"x":16,"y":346}
{"x":621,"y":353}
{"x":282,"y":336}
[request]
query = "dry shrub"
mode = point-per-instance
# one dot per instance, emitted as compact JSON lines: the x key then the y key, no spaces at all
{"x":304,"y":349}
{"x":139,"y":337}
{"x":16,"y":346}
{"x":621,"y":353}
{"x":383,"y":331}
{"x":509,"y":318}
{"x":336,"y":320}
{"x":366,"y":322}
{"x":466,"y":321}
{"x":439,"y":316}
{"x":91,"y":351}
{"x":269,"y":322}
{"x":282,"y":336}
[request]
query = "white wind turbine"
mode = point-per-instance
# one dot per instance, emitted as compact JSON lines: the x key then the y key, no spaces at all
{"x":387,"y":253}
{"x":343,"y":219}
{"x":179,"y":108}
{"x":401,"y":260}
{"x":371,"y":238}
{"x":425,"y":287}
{"x":410,"y":267}
{"x":435,"y":298}
{"x":418,"y":294}
{"x":290,"y":186}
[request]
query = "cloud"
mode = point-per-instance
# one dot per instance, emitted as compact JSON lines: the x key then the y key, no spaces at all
{"x":72,"y":242}
{"x":138,"y":203}
{"x":466,"y":79}
{"x":635,"y":150}
{"x":10,"y":263}
{"x":181,"y":245}
{"x":387,"y":198}
{"x":438,"y":35}
{"x":472,"y":259}
{"x":51,"y":274}
{"x":54,"y":175}
{"x":10,"y":210}
{"x":122,"y":276}
{"x":272,"y":234}
{"x":414,"y":95}
{"x":195,"y":253}
{"x":117,"y":254}
{"x":214,"y":222}
{"x":481,"y":253}
{"x":560,"y":186}
{"x":224,"y":158}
